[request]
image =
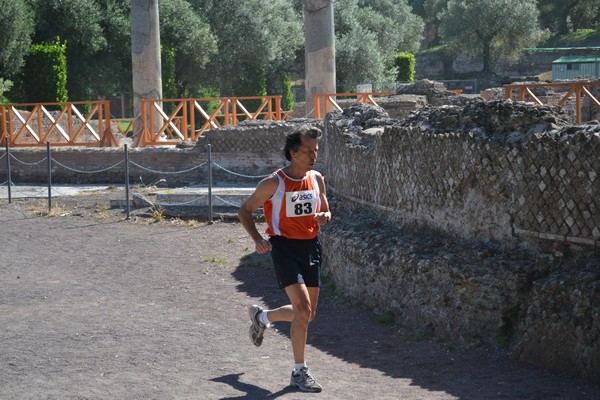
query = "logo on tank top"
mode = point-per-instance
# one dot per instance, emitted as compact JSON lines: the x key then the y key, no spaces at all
{"x":302,"y":196}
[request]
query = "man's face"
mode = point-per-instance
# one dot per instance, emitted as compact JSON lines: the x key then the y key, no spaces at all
{"x":306,"y":155}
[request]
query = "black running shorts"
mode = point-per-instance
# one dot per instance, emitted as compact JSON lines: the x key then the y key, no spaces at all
{"x":296,"y":260}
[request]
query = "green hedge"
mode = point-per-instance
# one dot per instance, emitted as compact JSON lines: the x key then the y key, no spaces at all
{"x":405,"y":63}
{"x":280,"y":84}
{"x":45,"y":74}
{"x":167,"y":61}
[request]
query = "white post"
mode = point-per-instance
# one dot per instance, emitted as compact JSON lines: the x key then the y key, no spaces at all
{"x":319,"y":42}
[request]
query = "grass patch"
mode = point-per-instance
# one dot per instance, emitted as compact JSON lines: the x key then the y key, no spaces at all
{"x":579,"y":38}
{"x":510,"y":319}
{"x":439,"y":49}
{"x":256,"y":260}
{"x":328,"y":289}
{"x":388,"y":318}
{"x":126,"y":127}
{"x":215,"y":261}
{"x":502,"y":341}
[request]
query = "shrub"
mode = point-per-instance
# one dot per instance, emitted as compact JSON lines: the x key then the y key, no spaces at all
{"x":5,"y":85}
{"x":45,"y":73}
{"x":405,"y":63}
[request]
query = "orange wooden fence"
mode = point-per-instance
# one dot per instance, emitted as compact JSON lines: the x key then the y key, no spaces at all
{"x":85,"y":123}
{"x":189,"y":118}
{"x":89,"y":123}
{"x":579,"y":89}
{"x":326,"y":102}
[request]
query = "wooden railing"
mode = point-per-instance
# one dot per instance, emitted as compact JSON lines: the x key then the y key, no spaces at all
{"x":189,"y":118}
{"x":579,"y":89}
{"x":326,"y":102}
{"x":62,"y":124}
{"x":89,"y":123}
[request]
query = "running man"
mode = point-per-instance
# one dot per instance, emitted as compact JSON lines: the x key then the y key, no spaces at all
{"x":295,"y":207}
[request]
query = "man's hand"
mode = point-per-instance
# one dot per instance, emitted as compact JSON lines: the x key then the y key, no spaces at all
{"x":323,"y":218}
{"x":262,"y":246}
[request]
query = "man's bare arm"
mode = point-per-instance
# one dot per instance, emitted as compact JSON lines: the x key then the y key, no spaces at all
{"x":263,"y":192}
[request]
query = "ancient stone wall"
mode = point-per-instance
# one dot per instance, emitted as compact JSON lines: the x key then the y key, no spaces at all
{"x":488,"y":169}
{"x":475,"y":223}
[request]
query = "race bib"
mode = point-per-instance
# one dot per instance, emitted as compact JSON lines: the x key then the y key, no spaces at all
{"x":300,"y":204}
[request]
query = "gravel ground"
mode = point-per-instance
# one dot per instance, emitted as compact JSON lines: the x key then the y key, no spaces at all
{"x":93,"y":306}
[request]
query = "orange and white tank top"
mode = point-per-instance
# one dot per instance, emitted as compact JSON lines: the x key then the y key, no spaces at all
{"x":291,"y":211}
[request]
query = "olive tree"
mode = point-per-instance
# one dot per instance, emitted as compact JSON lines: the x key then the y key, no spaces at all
{"x":16,"y":25}
{"x":368,"y":34}
{"x":189,"y":36}
{"x":491,"y":28}
{"x":255,"y":38}
{"x":562,"y":16}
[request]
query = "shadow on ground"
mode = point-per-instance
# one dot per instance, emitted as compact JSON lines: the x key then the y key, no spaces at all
{"x":353,"y":334}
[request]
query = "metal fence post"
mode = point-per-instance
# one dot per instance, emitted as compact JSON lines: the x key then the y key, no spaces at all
{"x":8,"y":182}
{"x":126,"y":181}
{"x":210,"y":210}
{"x":49,"y":163}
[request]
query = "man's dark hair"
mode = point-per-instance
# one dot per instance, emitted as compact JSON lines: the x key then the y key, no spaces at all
{"x":293,"y":140}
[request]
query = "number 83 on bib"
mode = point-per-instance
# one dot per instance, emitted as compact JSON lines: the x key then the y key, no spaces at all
{"x":301,"y":204}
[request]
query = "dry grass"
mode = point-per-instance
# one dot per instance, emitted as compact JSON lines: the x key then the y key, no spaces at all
{"x":157,"y":214}
{"x":41,"y":208}
{"x":546,"y":76}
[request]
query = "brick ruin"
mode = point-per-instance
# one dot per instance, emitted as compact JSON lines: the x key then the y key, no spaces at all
{"x":474,"y":223}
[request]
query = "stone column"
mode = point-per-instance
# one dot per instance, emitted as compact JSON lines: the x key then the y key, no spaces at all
{"x":145,"y":55}
{"x":319,"y":42}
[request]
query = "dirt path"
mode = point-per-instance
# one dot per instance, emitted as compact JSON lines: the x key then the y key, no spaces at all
{"x":101,"y":308}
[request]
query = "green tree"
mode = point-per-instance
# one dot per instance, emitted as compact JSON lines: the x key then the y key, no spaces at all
{"x":98,"y":34}
{"x":562,"y":16}
{"x":97,"y":39}
{"x":194,"y":45}
{"x":254,"y":38}
{"x":432,"y":10}
{"x":167,"y":65}
{"x":368,"y":34}
{"x":491,"y":28}
{"x":418,"y":7}
{"x":359,"y":59}
{"x":16,"y":25}
{"x":586,"y":15}
{"x":114,"y":59}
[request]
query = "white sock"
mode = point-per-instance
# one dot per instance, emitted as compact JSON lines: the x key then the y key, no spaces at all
{"x":264,"y":318}
{"x":298,"y":367}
